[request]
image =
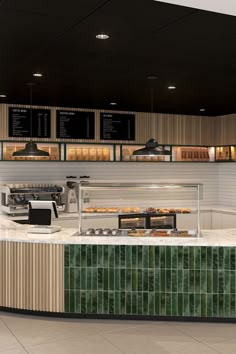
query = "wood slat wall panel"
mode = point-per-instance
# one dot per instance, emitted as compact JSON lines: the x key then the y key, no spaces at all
{"x":226,"y":130}
{"x":166,"y":128}
{"x":32,"y":276}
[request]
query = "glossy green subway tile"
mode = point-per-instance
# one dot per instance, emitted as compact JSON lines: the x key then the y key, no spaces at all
{"x":221,"y":258}
{"x":197,"y":307}
{"x":162,"y":252}
{"x":94,"y":256}
{"x":77,"y":301}
{"x":117,"y":279}
{"x":186,"y":281}
{"x":163,"y":304}
{"x":67,"y":278}
{"x":163,"y":280}
{"x":151,"y":303}
{"x":180,"y":304}
{"x":105,"y":256}
{"x":145,"y":303}
{"x":111,"y":302}
{"x":100,"y":279}
{"x":209,"y":258}
{"x":203,"y":305}
{"x":232,"y":305}
{"x":226,"y":258}
{"x":157,"y":257}
{"x":209,"y":305}
{"x":140,"y":303}
{"x":232,"y":282}
{"x":122,"y":279}
{"x":122,"y":256}
{"x":128,"y":280}
{"x":67,"y":300}
{"x":174,"y":257}
{"x":174,"y":304}
{"x":72,"y":278}
{"x":100,"y":302}
{"x":117,"y":256}
{"x":94,"y":278}
{"x":180,"y":283}
{"x":157,"y":282}
{"x":226,"y":305}
{"x":157,"y":303}
{"x":134,"y":280}
{"x":168,"y":276}
{"x":203,"y":258}
{"x":221,"y":305}
{"x":191,"y":281}
{"x":128,"y":256}
{"x":209,"y":281}
{"x":168,"y":304}
{"x":191,"y":300}
{"x":145,"y":256}
{"x":128,"y":303}
{"x":88,"y":279}
{"x":83,"y":255}
{"x":215,"y":257}
{"x":67,"y":255}
{"x":134,"y":303}
{"x":151,"y":260}
{"x":83,"y":279}
{"x":105,"y":302}
{"x":140,"y":280}
{"x":77,"y":278}
{"x":83,"y":302}
{"x":215,"y":281}
{"x":226,"y":282}
{"x":203,"y":287}
{"x":94,"y":302}
{"x":100,"y":256}
{"x":186,"y":304}
{"x":111,"y":279}
{"x":151,"y":280}
{"x":122,"y":303}
{"x":197,"y":258}
{"x":140,"y":256}
{"x":145,"y":280}
{"x":117,"y":303}
{"x":105,"y":279}
{"x":88,"y":301}
{"x":215,"y":305}
{"x":168,"y":257}
{"x":232,"y":259}
{"x":186,"y":257}
{"x":191,"y":258}
{"x":134,"y":257}
{"x":180,"y":258}
{"x":221,"y":281}
{"x":197,"y":281}
{"x":111,"y":256}
{"x":89,"y":255}
{"x":174,"y":280}
{"x":72,"y":251}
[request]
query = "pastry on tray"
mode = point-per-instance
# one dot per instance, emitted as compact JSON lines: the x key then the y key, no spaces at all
{"x":136,"y":233}
{"x":90,"y":210}
{"x":112,"y":210}
{"x":159,"y":233}
{"x":185,"y":210}
{"x":151,"y":210}
{"x":163,"y":211}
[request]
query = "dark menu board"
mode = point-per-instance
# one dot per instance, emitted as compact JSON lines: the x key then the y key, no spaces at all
{"x":116,"y":126}
{"x":75,"y":125}
{"x":19,"y":122}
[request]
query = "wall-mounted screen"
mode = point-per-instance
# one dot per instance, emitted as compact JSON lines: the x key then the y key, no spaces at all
{"x":75,"y":125}
{"x":19,"y":122}
{"x":117,"y":126}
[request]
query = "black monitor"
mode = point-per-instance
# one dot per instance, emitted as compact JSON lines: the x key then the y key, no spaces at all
{"x":45,"y":204}
{"x":40,"y":216}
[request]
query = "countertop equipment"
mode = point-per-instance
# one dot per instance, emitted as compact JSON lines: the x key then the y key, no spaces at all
{"x":15,"y":197}
{"x":71,"y":200}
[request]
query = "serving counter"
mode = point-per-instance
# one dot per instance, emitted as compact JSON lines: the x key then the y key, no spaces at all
{"x":188,"y":278}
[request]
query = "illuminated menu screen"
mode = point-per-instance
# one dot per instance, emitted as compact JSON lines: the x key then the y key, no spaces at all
{"x":75,"y":125}
{"x":116,"y":126}
{"x":19,"y":123}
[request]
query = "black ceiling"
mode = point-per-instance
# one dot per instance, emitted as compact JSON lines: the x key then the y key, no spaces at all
{"x":192,"y":49}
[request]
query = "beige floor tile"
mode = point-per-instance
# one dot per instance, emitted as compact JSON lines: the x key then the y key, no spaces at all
{"x":14,"y":351}
{"x":192,"y":347}
{"x":7,"y":339}
{"x":84,"y":345}
{"x":225,"y":348}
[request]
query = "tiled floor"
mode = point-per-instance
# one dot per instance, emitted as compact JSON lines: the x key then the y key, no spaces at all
{"x":28,"y":334}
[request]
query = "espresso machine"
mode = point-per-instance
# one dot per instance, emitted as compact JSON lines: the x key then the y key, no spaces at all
{"x":15,"y":197}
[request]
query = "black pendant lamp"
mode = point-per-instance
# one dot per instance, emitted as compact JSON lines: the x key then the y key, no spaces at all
{"x":31,"y":149}
{"x":152,"y":148}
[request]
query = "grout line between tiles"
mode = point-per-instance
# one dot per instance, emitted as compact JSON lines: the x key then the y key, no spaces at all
{"x":107,"y":340}
{"x":14,"y":335}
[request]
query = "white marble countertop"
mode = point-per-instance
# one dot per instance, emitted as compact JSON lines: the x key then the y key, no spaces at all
{"x":10,"y":231}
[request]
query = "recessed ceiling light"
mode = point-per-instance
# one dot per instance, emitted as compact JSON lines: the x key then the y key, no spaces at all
{"x":152,"y":77}
{"x":37,"y":74}
{"x":3,"y":96}
{"x":171,"y":87}
{"x":102,"y":36}
{"x":202,"y":109}
{"x":113,"y":103}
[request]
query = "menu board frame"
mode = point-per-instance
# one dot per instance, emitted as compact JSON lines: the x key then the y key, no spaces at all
{"x":117,"y":126}
{"x":74,"y":125}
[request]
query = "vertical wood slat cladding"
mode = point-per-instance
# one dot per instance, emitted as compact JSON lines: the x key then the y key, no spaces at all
{"x":32,"y":276}
{"x":226,"y":130}
{"x":166,"y":128}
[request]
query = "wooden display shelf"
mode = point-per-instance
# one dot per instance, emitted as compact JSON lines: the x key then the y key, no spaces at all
{"x":191,"y":153}
{"x":88,"y":152}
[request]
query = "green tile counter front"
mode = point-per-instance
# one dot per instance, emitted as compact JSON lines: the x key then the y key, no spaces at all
{"x":169,"y":281}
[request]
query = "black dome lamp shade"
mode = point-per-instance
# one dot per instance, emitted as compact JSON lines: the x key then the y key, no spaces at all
{"x":31,"y":149}
{"x":151,"y":148}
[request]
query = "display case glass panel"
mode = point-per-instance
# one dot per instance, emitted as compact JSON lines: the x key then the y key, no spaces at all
{"x":222,"y":153}
{"x":127,"y":154}
{"x":89,"y":152}
{"x":10,"y":147}
{"x":162,"y":221}
{"x":191,"y":153}
{"x":132,"y":221}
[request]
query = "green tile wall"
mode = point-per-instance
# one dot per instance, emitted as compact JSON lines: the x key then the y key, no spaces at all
{"x":150,"y":280}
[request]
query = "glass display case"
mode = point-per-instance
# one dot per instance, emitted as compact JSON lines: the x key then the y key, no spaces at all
{"x":131,"y":203}
{"x":222,"y":153}
{"x":126,"y":154}
{"x":52,"y":148}
{"x":89,"y":152}
{"x":192,"y":153}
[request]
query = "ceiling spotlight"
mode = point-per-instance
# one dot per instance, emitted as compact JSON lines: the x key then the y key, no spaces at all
{"x":102,"y":36}
{"x":113,"y":103}
{"x":3,"y":96}
{"x":37,"y":74}
{"x":202,"y":110}
{"x":152,"y":77}
{"x":171,"y":87}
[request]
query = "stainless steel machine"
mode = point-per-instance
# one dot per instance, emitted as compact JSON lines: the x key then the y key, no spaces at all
{"x":15,"y":197}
